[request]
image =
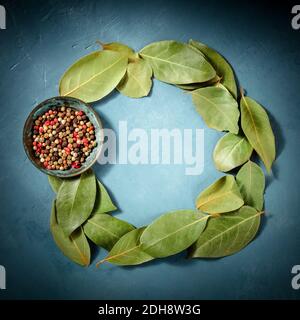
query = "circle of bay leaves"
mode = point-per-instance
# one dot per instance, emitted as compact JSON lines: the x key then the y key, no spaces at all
{"x":227,"y":213}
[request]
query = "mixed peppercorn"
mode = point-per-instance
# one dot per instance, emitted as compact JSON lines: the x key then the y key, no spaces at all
{"x":63,"y":138}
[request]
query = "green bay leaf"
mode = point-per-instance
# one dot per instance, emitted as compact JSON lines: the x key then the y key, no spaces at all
{"x":258,"y":130}
{"x":118,"y":47}
{"x":94,"y":76}
{"x":220,"y":64}
{"x":231,"y":151}
{"x":222,"y":196}
{"x":227,"y":234}
{"x":127,"y":251}
{"x":251,"y":181}
{"x":194,"y":86}
{"x":75,"y":247}
{"x":105,"y":230}
{"x":137,"y":81}
{"x":103,"y":202}
{"x":217,"y":107}
{"x":55,"y":183}
{"x":75,"y":201}
{"x":175,"y":62}
{"x":173,"y":232}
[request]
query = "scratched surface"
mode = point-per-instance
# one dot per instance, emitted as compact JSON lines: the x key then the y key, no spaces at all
{"x":42,"y":39}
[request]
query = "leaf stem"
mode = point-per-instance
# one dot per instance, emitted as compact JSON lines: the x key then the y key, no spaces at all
{"x":215,"y":215}
{"x":242,"y":91}
{"x":101,"y":44}
{"x":100,"y":262}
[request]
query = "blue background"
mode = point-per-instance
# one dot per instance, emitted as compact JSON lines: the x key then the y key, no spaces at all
{"x":42,"y":39}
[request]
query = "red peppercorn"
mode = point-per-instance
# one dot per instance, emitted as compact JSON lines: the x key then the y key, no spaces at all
{"x":76,"y":165}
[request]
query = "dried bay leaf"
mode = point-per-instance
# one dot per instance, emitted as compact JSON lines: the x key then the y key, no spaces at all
{"x":55,"y":183}
{"x":227,"y":234}
{"x":217,"y":107}
{"x":173,"y":232}
{"x":258,"y":130}
{"x":175,"y":62}
{"x":75,"y":247}
{"x":127,"y":251}
{"x":220,"y":64}
{"x":103,"y":202}
{"x":231,"y":151}
{"x":222,"y":196}
{"x":137,"y":81}
{"x":75,"y":201}
{"x":251,"y":181}
{"x":105,"y":230}
{"x":94,"y":76}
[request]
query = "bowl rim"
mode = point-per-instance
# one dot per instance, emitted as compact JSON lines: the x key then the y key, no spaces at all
{"x":50,"y":172}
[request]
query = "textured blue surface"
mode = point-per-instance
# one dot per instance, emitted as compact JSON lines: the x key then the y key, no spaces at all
{"x":42,"y":39}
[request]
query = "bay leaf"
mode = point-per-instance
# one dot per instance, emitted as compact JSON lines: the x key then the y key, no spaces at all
{"x":231,"y":151}
{"x":193,"y":86}
{"x":75,"y":201}
{"x":55,"y":183}
{"x":258,"y":130}
{"x":227,"y":234}
{"x":175,"y":62}
{"x":217,"y":107}
{"x":222,"y":196}
{"x":127,"y":251}
{"x":220,"y":64}
{"x":118,"y":47}
{"x":103,"y":202}
{"x":137,"y":81}
{"x":75,"y":247}
{"x":105,"y":230}
{"x":94,"y":76}
{"x":251,"y":182}
{"x":173,"y":232}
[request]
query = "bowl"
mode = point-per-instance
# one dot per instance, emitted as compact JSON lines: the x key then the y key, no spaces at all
{"x":76,"y":104}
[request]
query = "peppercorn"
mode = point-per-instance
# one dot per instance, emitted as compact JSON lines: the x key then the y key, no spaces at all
{"x":62,"y":138}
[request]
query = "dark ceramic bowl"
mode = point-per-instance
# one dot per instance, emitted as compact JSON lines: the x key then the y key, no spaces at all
{"x":57,"y":102}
